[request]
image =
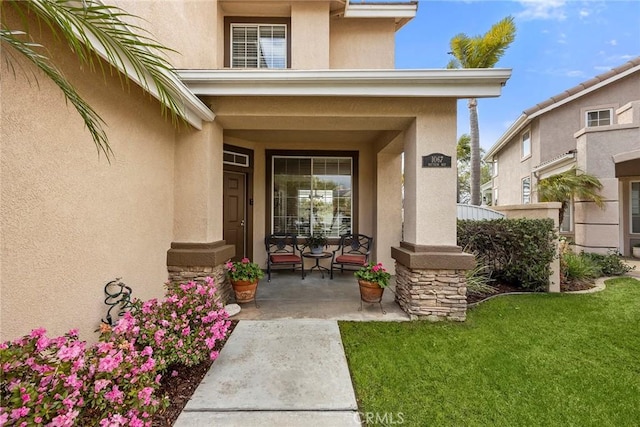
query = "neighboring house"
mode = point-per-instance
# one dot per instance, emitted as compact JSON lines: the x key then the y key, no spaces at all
{"x":595,"y":127}
{"x":297,"y":122}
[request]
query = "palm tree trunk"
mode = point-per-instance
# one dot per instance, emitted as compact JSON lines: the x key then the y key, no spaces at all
{"x":475,"y":152}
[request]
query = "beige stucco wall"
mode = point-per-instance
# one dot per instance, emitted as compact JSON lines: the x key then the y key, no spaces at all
{"x":600,"y":230}
{"x":195,"y":30}
{"x":310,"y":35}
{"x":198,"y":185}
{"x":388,"y":219}
{"x":362,"y":43}
{"x":553,"y":134}
{"x":192,"y":28}
{"x":70,"y":221}
{"x":558,"y":126}
{"x":512,"y":168}
{"x":430,"y":193}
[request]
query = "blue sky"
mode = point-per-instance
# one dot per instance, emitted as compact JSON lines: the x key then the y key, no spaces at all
{"x":558,"y":45}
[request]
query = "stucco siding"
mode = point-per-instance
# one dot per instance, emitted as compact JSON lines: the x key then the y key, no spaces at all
{"x":362,"y":43}
{"x":189,"y":27}
{"x":559,"y":126}
{"x":512,"y":168}
{"x":70,"y":221}
{"x":309,"y":35}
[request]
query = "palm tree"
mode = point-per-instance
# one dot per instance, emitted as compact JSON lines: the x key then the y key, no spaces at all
{"x":91,"y":30}
{"x":463,"y":152}
{"x":568,"y":185}
{"x":480,"y":52}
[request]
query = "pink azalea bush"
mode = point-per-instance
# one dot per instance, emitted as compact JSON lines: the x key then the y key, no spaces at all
{"x":123,"y":380}
{"x":42,"y":379}
{"x":185,"y":327}
{"x":59,"y":382}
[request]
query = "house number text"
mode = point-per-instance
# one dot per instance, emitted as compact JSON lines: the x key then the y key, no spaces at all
{"x":436,"y":160}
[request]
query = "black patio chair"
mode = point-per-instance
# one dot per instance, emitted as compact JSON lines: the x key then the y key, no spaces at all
{"x":353,"y":250}
{"x":282,"y":249}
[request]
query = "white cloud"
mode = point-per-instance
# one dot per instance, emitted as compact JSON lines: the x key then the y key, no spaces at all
{"x":562,"y":39}
{"x":613,"y":42}
{"x":542,"y":9}
{"x":601,"y":68}
{"x":584,"y":13}
{"x":574,"y":73}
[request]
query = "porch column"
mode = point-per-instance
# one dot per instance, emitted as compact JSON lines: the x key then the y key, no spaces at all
{"x":430,"y":267}
{"x":198,"y":250}
{"x":388,"y":218}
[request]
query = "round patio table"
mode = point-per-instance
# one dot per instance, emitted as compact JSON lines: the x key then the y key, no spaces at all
{"x":318,"y":257}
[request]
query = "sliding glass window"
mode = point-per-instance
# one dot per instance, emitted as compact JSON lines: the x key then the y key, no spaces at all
{"x":312,"y":195}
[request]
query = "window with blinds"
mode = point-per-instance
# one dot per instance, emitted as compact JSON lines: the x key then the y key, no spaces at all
{"x":311,"y":195}
{"x":258,"y":46}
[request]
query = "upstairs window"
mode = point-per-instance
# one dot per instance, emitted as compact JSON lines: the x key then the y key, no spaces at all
{"x":495,"y":167}
{"x":599,"y":118}
{"x":526,"y":145}
{"x":262,"y":43}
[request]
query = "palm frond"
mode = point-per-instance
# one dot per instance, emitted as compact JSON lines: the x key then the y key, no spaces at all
{"x":92,"y":29}
{"x":17,"y":41}
{"x":484,"y":51}
{"x":573,"y":183}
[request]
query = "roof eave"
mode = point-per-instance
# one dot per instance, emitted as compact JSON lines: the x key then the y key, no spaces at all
{"x":401,"y":12}
{"x":513,"y":130}
{"x":461,"y":83}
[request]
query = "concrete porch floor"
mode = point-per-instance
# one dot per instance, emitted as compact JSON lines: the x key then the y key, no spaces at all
{"x":287,"y":296}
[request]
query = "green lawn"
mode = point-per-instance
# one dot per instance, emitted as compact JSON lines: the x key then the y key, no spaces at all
{"x":524,"y":360}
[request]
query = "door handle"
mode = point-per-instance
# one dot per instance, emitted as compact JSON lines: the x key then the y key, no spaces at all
{"x":242,"y":223}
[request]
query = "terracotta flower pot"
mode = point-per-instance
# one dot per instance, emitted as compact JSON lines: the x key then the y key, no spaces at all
{"x":245,"y":290}
{"x":370,"y":291}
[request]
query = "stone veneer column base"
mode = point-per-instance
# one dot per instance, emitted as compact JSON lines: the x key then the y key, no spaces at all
{"x":430,"y":281}
{"x":432,"y":294}
{"x":199,"y":274}
{"x":197,"y":261}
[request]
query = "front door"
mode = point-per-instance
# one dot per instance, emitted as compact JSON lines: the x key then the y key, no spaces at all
{"x":234,"y":216}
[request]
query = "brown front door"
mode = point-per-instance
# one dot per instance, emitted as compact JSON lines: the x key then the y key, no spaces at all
{"x":234,"y":216}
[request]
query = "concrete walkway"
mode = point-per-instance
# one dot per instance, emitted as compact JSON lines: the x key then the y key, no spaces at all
{"x":277,"y":373}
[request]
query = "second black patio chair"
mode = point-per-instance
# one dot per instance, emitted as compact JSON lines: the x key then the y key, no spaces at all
{"x":283,"y":250}
{"x":353,"y":250}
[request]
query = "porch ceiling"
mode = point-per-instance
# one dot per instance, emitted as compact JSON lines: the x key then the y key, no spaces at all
{"x":312,"y":137}
{"x":290,"y":125}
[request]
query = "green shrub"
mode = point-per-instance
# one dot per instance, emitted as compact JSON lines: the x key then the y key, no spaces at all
{"x":610,"y":264}
{"x":479,"y":279}
{"x":516,"y":251}
{"x":578,"y":268}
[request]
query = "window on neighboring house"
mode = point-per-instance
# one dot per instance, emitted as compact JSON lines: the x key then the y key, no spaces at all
{"x":257,"y":42}
{"x":526,"y":190}
{"x":312,"y":194}
{"x":567,"y":219}
{"x":495,"y":167}
{"x":526,"y":144}
{"x":599,"y":118}
{"x":495,"y":197}
{"x":635,"y":207}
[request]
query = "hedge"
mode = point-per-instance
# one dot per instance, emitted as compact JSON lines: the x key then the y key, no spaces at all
{"x":516,"y":251}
